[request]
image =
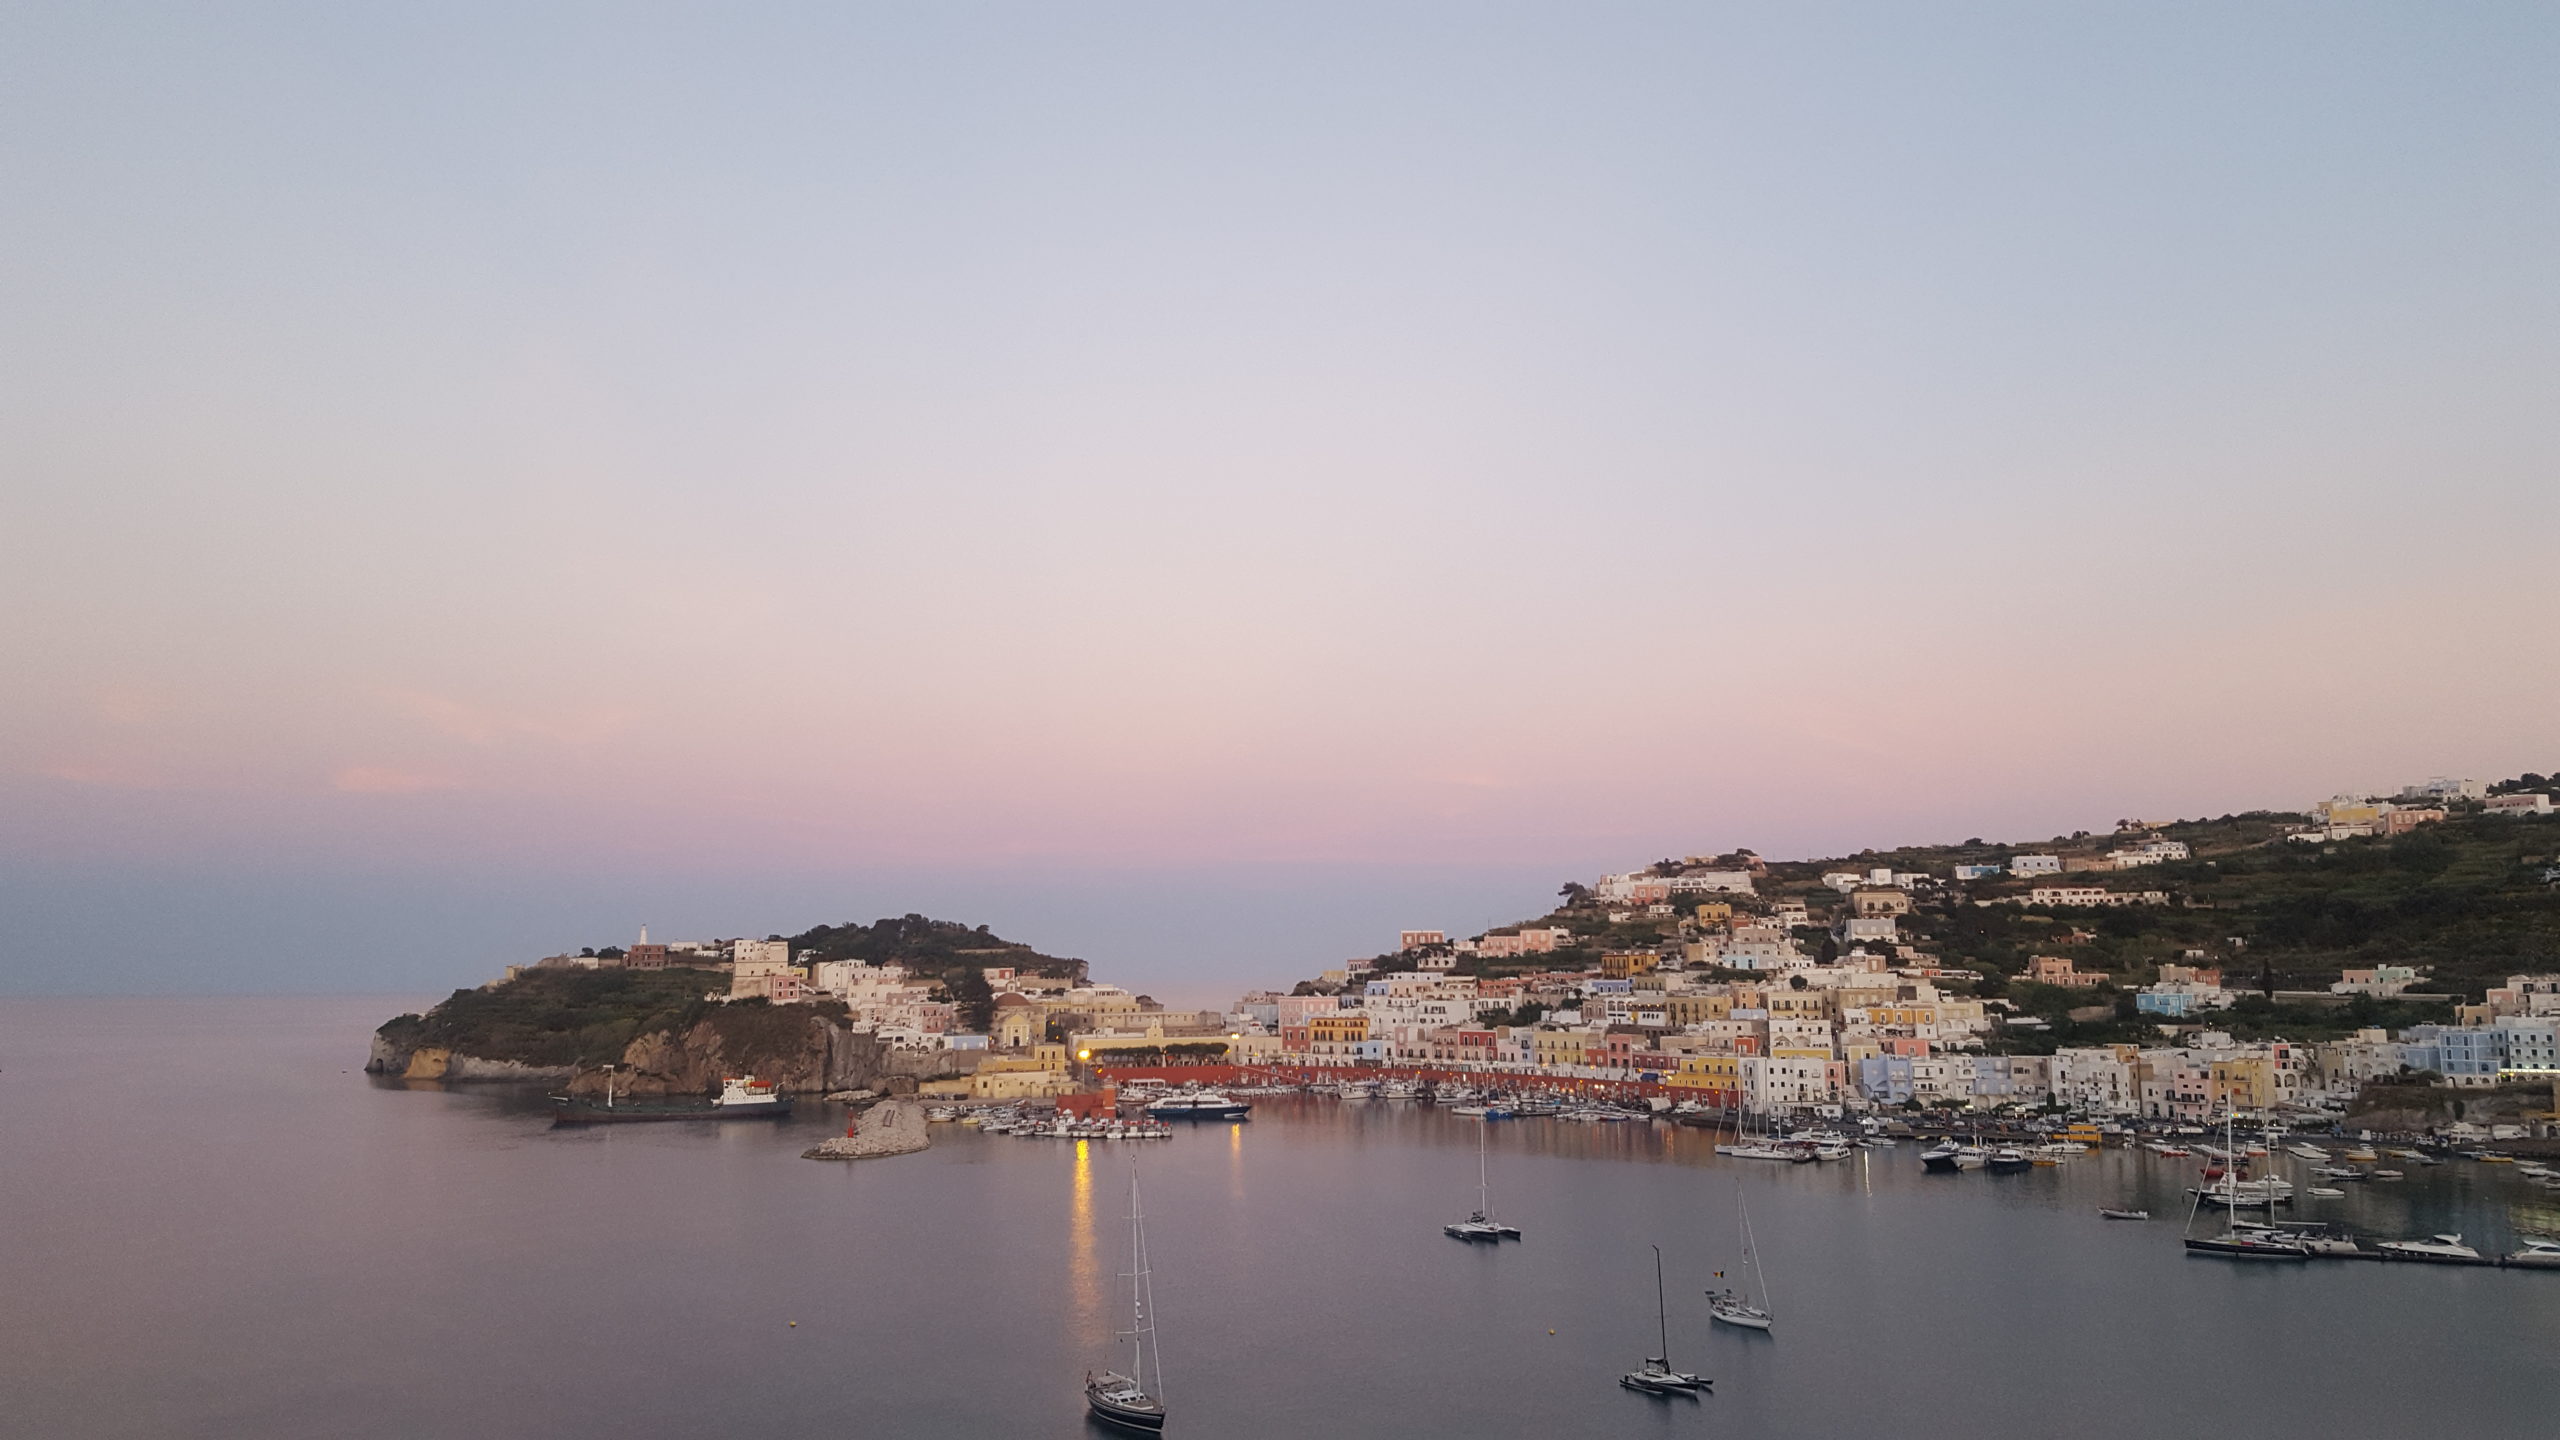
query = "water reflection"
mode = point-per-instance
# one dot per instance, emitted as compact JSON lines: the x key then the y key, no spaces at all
{"x":1084,"y":1273}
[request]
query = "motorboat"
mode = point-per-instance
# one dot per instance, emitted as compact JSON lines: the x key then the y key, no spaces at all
{"x":2442,"y":1249}
{"x":1938,"y":1159}
{"x":1972,"y":1157}
{"x":2324,"y":1192}
{"x":2307,"y":1152}
{"x":2536,"y":1255}
{"x":2363,"y":1154}
{"x":2109,"y":1214}
{"x":1199,"y":1105}
{"x":2007,"y":1160}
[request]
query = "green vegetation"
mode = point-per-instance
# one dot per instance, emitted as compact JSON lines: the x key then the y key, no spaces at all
{"x":559,"y":1016}
{"x":957,"y":955}
{"x":587,"y":1017}
{"x":2467,"y":900}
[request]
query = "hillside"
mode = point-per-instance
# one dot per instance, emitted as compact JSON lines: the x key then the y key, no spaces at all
{"x":2470,"y":900}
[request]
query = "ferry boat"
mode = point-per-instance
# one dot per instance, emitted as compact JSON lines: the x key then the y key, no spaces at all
{"x":741,"y":1097}
{"x":1199,"y":1105}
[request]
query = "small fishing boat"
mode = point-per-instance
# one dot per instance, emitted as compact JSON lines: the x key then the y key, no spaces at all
{"x":2123,"y":1214}
{"x":2325,"y":1192}
{"x":2307,"y":1152}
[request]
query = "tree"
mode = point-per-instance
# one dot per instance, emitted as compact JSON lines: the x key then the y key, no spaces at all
{"x":977,"y":1001}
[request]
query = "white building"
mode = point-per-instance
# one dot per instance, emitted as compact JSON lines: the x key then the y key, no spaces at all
{"x":2035,"y":865}
{"x":2523,"y":804}
{"x":754,"y":964}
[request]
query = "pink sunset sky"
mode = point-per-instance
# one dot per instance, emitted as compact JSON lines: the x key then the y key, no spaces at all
{"x":800,"y":465}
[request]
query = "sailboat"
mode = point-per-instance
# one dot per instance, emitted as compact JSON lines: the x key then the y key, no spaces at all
{"x":1481,"y":1225}
{"x":1730,"y":1306}
{"x":1655,"y":1376}
{"x":2239,"y":1240}
{"x":1125,"y":1400}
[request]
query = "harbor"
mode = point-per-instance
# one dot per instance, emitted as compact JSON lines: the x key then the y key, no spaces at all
{"x":1289,"y":1250}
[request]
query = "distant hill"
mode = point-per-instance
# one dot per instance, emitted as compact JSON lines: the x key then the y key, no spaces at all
{"x":2473,"y":898}
{"x":927,"y":946}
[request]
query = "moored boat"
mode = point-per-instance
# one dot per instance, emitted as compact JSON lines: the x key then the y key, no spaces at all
{"x":741,"y":1097}
{"x":1199,"y":1105}
{"x":2441,"y":1249}
{"x":2536,"y":1255}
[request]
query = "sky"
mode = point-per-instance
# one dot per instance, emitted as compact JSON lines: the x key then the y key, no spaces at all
{"x":1201,"y":488}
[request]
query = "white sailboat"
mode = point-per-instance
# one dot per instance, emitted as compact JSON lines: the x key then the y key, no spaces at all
{"x":1732,"y":1306}
{"x":1481,"y":1225}
{"x":1126,"y":1400}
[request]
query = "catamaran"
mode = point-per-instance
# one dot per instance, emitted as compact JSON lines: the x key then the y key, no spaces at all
{"x":1481,"y":1225}
{"x":1125,"y":1400}
{"x":1731,"y":1306}
{"x":1655,"y":1376}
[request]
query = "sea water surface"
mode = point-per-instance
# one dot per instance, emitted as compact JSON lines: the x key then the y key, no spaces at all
{"x":213,"y":1224}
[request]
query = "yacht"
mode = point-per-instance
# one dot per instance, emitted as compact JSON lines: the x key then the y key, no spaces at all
{"x":1939,"y":1158}
{"x":1125,"y":1400}
{"x":1199,"y":1105}
{"x":2537,"y":1255}
{"x":2443,"y":1249}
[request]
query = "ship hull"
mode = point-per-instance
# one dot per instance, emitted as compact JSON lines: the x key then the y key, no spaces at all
{"x":1199,"y":1112}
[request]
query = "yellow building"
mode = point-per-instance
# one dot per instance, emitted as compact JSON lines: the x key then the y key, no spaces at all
{"x":1706,"y":1072}
{"x":1685,"y":1010}
{"x":1621,"y":964}
{"x":1714,"y":911}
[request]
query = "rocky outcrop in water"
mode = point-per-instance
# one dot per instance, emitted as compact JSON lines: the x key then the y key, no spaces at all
{"x":893,"y":1127}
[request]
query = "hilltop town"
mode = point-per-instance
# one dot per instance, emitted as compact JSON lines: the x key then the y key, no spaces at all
{"x":2158,"y":968}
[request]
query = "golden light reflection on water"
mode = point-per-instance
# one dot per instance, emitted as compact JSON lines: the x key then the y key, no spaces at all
{"x":1235,"y":1160}
{"x":1084,"y":1273}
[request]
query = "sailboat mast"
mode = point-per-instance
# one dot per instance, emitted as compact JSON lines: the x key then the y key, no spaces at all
{"x":1484,"y":1187}
{"x":1661,"y":1308}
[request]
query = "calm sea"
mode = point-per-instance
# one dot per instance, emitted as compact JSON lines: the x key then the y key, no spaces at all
{"x":213,"y":1224}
